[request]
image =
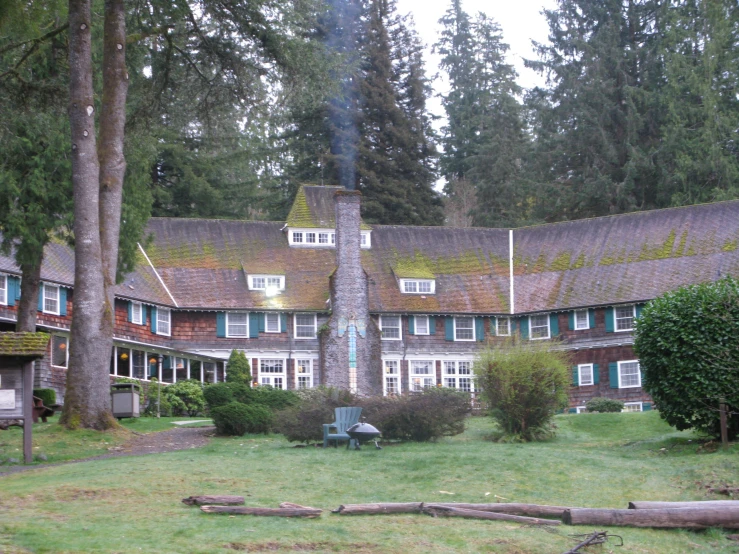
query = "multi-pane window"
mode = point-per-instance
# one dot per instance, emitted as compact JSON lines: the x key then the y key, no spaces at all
{"x":422,"y":374}
{"x":422,"y":324}
{"x":632,"y":407}
{"x":629,"y":374}
{"x":390,"y":327}
{"x":59,"y":351}
{"x":310,"y":238}
{"x":458,"y":375}
{"x":272,"y":322}
{"x":322,"y":238}
{"x":625,"y":318}
{"x":503,"y":326}
{"x":272,"y":372}
{"x":266,"y":282}
{"x":415,"y":286}
{"x":392,"y":376}
{"x":304,"y":373}
{"x":139,"y":362}
{"x":136,"y":313}
{"x":3,"y":289}
{"x":51,"y":299}
{"x":464,"y":328}
{"x":333,"y":238}
{"x":582,"y":321}
{"x":297,"y":237}
{"x":539,"y":326}
{"x":363,"y":240}
{"x":236,"y":324}
{"x":585,"y":374}
{"x":163,"y":321}
{"x":305,"y":326}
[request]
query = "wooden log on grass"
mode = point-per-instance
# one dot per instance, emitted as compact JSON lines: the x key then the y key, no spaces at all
{"x":249,"y":511}
{"x":656,"y":505}
{"x":446,"y":511}
{"x":685,"y":518}
{"x":379,"y":508}
{"x":515,"y":508}
{"x":226,"y":500}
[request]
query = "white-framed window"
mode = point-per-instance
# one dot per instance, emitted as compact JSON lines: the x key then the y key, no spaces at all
{"x":458,"y":375}
{"x":272,"y":322}
{"x":585,"y":374}
{"x":581,"y":409}
{"x":365,"y":240}
{"x":629,"y":374}
{"x":59,"y":351}
{"x":305,"y":326}
{"x":418,"y":286}
{"x":314,"y":237}
{"x":304,"y":373}
{"x":3,"y":290}
{"x":632,"y":407}
{"x":164,"y":316}
{"x":323,"y":238}
{"x":390,"y":327}
{"x":267,"y":282}
{"x":272,"y":372}
{"x":422,"y":374}
{"x":237,"y":324}
{"x":333,"y":239}
{"x":539,"y":326}
{"x":391,"y":377}
{"x":625,"y":316}
{"x":137,"y":313}
{"x":297,"y":237}
{"x":503,"y":326}
{"x":51,"y":299}
{"x":310,"y":238}
{"x":582,"y":320}
{"x":421,"y":323}
{"x":464,"y":328}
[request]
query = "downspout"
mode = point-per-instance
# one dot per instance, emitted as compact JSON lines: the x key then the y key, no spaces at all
{"x":510,"y":266}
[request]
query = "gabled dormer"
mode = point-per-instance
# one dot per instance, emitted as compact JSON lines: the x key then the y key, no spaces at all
{"x":414,"y":276}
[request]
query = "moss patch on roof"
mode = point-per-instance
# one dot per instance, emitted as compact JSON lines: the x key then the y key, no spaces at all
{"x":421,"y":266}
{"x":315,"y":210}
{"x":300,"y":213}
{"x":25,"y":345}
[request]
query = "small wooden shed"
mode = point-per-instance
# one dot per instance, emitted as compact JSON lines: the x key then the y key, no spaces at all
{"x":17,"y":353}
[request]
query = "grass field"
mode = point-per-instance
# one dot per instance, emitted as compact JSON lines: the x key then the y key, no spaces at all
{"x":598,"y":460}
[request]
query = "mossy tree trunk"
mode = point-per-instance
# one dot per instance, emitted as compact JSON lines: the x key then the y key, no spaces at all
{"x":97,"y":177}
{"x":28,"y":303}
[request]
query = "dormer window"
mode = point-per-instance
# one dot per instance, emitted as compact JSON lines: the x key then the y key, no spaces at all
{"x":418,"y":286}
{"x":267,"y":283}
{"x":307,"y":237}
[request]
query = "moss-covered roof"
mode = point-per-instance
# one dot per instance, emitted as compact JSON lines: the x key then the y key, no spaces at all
{"x":313,"y":208}
{"x":23,"y":345}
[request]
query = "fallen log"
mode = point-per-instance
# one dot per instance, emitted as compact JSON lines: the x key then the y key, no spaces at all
{"x":687,"y":518}
{"x":213,"y":499}
{"x":293,"y":505}
{"x":280,"y":512}
{"x":728,"y":491}
{"x":647,"y":505}
{"x":379,"y":508}
{"x":446,"y":511}
{"x":515,"y":508}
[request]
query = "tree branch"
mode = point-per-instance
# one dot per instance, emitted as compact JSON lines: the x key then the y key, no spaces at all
{"x":36,"y":40}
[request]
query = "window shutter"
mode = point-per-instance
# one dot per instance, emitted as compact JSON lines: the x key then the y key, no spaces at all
{"x":613,"y":374}
{"x":610,"y":320}
{"x":166,"y":362}
{"x":591,"y":316}
{"x":14,"y":290}
{"x":513,"y":325}
{"x":144,"y":311}
{"x":571,"y":321}
{"x":283,"y":323}
{"x":575,"y":376}
{"x":524,"y":324}
{"x":62,"y":300}
{"x":220,"y":324}
{"x":153,"y":312}
{"x":449,"y":328}
{"x":572,"y":411}
{"x":639,"y":309}
{"x":493,"y":326}
{"x":130,"y":311}
{"x":41,"y":297}
{"x":596,"y":374}
{"x":260,"y":321}
{"x":253,"y":325}
{"x":646,"y":406}
{"x":553,"y":325}
{"x":432,"y":325}
{"x":153,"y":368}
{"x":411,"y":325}
{"x":480,"y":328}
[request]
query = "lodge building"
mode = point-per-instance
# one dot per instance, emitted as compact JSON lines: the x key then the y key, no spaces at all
{"x":324,"y":298}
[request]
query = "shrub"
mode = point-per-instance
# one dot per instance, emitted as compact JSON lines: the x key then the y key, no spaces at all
{"x":48,"y":396}
{"x":272,"y":398}
{"x":687,"y":345}
{"x":186,"y":397}
{"x":238,"y":419}
{"x":303,"y":422}
{"x":217,"y":394}
{"x":525,"y":384}
{"x":604,"y":405}
{"x":153,"y":396}
{"x":238,"y":369}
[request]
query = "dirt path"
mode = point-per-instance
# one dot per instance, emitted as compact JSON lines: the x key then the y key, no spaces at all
{"x":179,"y":438}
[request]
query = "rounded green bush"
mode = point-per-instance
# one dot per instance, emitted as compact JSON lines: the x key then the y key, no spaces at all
{"x":217,"y":394}
{"x":48,"y":396}
{"x":604,"y":405}
{"x":238,"y":419}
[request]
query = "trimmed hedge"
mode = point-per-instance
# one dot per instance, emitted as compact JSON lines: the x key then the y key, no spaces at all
{"x":604,"y":405}
{"x":303,"y":422}
{"x":238,"y":419}
{"x":48,"y":396}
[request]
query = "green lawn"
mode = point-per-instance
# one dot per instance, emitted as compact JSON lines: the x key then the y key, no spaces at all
{"x":598,"y":460}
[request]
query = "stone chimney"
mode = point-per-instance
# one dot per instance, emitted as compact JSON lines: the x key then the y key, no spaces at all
{"x":350,"y":347}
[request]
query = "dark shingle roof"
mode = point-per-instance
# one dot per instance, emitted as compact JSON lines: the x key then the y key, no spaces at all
{"x":23,"y":345}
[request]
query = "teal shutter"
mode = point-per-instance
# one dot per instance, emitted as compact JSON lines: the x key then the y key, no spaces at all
{"x":14,"y":289}
{"x":610,"y":320}
{"x":572,"y":411}
{"x":62,"y":301}
{"x":591,"y":316}
{"x":253,"y":325}
{"x":153,"y":312}
{"x":596,"y":374}
{"x":260,"y":321}
{"x":524,"y":323}
{"x":220,"y":324}
{"x":513,"y":325}
{"x":613,"y":374}
{"x":432,"y":325}
{"x":575,"y":376}
{"x":41,"y":297}
{"x":130,"y":311}
{"x":480,"y":328}
{"x":646,"y":406}
{"x":411,"y":325}
{"x":144,"y":311}
{"x":639,"y":308}
{"x":449,"y":328}
{"x":283,"y":323}
{"x":494,"y":326}
{"x":553,"y":325}
{"x":571,"y":321}
{"x":166,"y":363}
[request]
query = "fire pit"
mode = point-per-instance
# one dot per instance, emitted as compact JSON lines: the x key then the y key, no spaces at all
{"x":363,"y":432}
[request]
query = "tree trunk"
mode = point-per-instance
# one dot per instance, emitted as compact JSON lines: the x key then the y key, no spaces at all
{"x":281,"y":512}
{"x":441,"y":510}
{"x":645,"y":505}
{"x":28,"y":303}
{"x":687,"y":518}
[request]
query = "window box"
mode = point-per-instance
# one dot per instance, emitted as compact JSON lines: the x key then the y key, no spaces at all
{"x":539,"y":327}
{"x":391,"y":377}
{"x":418,"y":286}
{"x":305,"y":326}
{"x":390,"y":327}
{"x":464,"y":328}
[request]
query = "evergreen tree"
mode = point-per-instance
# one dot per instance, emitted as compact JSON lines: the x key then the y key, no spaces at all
{"x":238,"y":369}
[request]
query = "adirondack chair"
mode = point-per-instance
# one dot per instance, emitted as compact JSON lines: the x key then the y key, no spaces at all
{"x":345,"y":418}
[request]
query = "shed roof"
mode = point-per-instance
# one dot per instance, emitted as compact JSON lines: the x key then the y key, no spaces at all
{"x":23,"y":345}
